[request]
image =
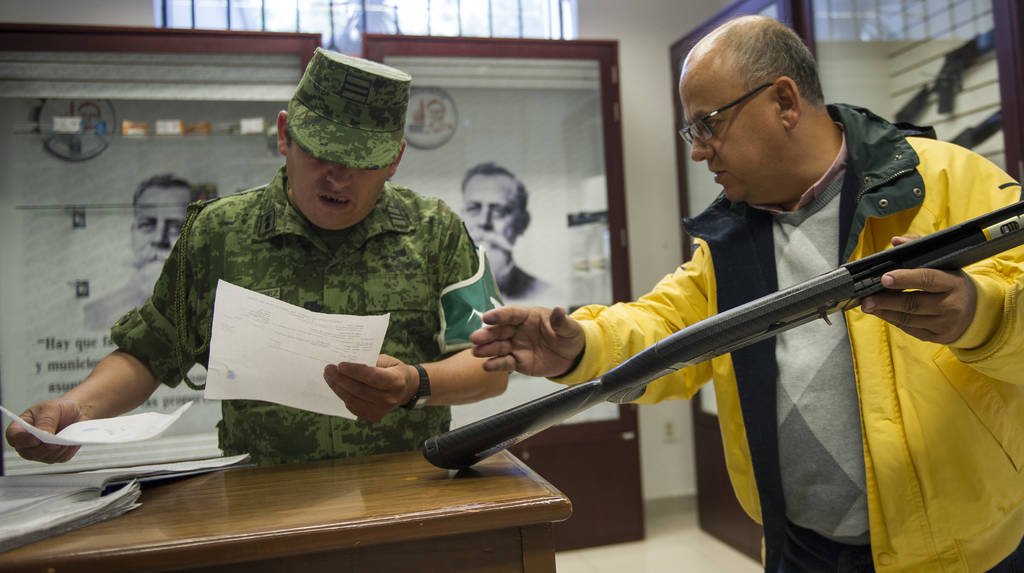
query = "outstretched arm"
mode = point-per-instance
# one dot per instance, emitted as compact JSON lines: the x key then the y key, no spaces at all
{"x":535,"y":341}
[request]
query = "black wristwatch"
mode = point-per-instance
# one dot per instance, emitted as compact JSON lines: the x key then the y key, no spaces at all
{"x":419,"y":399}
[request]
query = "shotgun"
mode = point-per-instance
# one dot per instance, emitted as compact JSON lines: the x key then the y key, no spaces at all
{"x":839,"y":289}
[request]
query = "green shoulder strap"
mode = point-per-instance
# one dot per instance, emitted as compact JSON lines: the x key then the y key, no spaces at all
{"x":183,"y":349}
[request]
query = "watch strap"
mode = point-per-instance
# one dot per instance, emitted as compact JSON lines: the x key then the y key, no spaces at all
{"x":422,"y":394}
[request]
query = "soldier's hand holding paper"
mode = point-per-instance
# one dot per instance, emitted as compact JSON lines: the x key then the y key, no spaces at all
{"x":120,"y":429}
{"x":265,"y":349}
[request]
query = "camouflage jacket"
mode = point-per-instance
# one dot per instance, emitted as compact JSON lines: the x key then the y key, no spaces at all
{"x":395,"y":261}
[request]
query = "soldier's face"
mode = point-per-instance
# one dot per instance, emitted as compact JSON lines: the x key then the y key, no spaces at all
{"x":330,"y":195}
{"x":159,"y":215}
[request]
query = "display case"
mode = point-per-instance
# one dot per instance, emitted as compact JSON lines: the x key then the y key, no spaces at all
{"x":523,"y":138}
{"x":107,"y":134}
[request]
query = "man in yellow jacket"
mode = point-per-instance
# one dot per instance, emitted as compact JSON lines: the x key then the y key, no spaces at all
{"x":891,"y":440}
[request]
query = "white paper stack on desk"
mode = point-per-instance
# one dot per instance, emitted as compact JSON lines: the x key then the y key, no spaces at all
{"x":35,"y":511}
{"x":38,"y":506}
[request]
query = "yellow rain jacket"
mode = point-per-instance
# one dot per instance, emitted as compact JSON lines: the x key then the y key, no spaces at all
{"x":943,"y":426}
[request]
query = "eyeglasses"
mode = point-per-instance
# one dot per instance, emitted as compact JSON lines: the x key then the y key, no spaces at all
{"x":701,"y":128}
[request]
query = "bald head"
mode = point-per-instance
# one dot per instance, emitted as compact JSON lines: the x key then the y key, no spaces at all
{"x":758,"y":49}
{"x":752,"y":103}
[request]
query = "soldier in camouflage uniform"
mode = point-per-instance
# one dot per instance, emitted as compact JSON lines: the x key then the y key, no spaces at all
{"x":330,"y":233}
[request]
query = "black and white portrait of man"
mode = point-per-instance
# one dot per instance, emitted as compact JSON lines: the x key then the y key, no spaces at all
{"x":494,"y":208}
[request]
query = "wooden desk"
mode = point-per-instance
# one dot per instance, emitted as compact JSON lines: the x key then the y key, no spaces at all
{"x":392,"y":512}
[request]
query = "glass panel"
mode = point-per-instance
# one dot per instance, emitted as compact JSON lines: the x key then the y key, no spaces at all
{"x":83,"y":269}
{"x":476,"y":18}
{"x":516,"y":147}
{"x":822,"y":22}
{"x":412,"y":17}
{"x":505,"y":19}
{"x":900,"y":77}
{"x":940,"y":19}
{"x":74,"y":232}
{"x":535,"y":19}
{"x":444,"y":18}
{"x":212,"y":14}
{"x":348,"y":20}
{"x":842,"y":16}
{"x":568,"y":16}
{"x":964,"y":21}
{"x":381,"y":17}
{"x":866,"y":20}
{"x":282,"y":15}
{"x":158,"y":13}
{"x":314,"y":17}
{"x":179,"y":13}
{"x":483,"y":18}
{"x":894,"y":21}
{"x":246,"y":15}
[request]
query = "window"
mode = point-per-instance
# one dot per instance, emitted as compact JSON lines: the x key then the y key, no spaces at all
{"x":341,"y":22}
{"x":874,"y":20}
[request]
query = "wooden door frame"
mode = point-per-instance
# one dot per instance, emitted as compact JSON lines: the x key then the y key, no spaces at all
{"x":70,"y":38}
{"x":1008,"y":17}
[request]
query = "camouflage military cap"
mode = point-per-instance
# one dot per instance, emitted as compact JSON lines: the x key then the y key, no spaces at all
{"x":349,"y":110}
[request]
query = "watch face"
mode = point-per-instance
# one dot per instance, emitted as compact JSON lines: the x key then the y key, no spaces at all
{"x":76,"y":130}
{"x":431,"y":119}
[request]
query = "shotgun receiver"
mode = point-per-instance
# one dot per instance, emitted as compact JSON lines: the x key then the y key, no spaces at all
{"x":836,"y":290}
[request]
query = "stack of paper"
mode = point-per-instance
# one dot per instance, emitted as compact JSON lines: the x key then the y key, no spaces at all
{"x":39,"y":506}
{"x":33,"y":512}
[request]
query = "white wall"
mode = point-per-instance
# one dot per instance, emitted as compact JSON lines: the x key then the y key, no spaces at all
{"x":849,"y":73}
{"x":644,"y":29}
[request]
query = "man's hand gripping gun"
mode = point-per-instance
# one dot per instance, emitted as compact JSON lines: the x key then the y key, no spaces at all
{"x":840,"y":289}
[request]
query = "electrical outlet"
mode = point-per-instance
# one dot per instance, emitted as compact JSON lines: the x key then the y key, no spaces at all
{"x":670,"y":433}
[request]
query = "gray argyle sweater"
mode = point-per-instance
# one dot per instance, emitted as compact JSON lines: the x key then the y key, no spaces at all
{"x":820,"y":447}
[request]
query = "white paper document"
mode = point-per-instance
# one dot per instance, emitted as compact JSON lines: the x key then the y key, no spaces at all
{"x":264,"y":349}
{"x":59,"y":512}
{"x":117,"y":430}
